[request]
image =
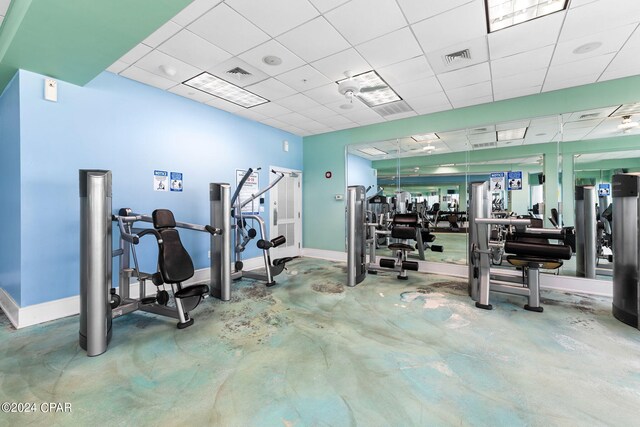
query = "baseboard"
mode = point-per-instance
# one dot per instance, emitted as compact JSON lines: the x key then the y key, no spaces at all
{"x":22,"y":317}
{"x":324,"y":254}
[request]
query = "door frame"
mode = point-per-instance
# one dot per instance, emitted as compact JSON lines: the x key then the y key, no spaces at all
{"x":298,"y":223}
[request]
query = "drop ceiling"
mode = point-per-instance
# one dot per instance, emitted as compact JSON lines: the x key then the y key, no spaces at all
{"x":576,"y":126}
{"x":404,"y":41}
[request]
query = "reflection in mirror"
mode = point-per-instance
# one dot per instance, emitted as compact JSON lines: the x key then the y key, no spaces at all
{"x":531,"y":161}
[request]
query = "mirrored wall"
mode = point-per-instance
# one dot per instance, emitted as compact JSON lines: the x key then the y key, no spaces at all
{"x":533,"y":167}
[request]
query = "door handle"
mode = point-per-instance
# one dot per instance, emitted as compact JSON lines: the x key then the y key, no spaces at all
{"x":275,"y":216}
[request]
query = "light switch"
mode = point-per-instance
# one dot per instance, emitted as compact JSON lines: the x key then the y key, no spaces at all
{"x":51,"y":90}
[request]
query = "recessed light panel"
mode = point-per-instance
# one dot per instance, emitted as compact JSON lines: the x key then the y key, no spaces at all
{"x":626,"y":109}
{"x":373,"y":90}
{"x":222,"y":89}
{"x":372,"y":151}
{"x":510,"y":134}
{"x":425,"y":137}
{"x":505,"y":13}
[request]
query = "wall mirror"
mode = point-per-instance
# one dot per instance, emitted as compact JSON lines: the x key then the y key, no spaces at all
{"x":549,"y":154}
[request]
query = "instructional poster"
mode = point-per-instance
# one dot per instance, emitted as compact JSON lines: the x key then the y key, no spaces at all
{"x":160,"y":180}
{"x":497,"y":181}
{"x":604,"y":189}
{"x":251,"y":186}
{"x":176,"y":181}
{"x":515,"y":180}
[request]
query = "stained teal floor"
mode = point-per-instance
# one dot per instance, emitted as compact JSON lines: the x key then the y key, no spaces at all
{"x":311,"y":352}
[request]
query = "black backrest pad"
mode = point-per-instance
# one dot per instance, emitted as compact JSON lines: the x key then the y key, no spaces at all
{"x":538,"y":250}
{"x":403,"y":232}
{"x":174,"y":260}
{"x":163,"y":218}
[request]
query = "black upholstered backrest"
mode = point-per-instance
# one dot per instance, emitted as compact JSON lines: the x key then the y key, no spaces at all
{"x":404,"y":226}
{"x":173,"y":259}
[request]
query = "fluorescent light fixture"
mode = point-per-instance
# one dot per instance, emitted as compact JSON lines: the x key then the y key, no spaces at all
{"x":373,"y":90}
{"x":626,"y":110}
{"x":506,"y":13}
{"x":425,"y":137}
{"x":627,"y":124}
{"x":372,"y":151}
{"x":510,"y":134}
{"x":448,"y":165}
{"x":223,"y":89}
{"x":428,"y":148}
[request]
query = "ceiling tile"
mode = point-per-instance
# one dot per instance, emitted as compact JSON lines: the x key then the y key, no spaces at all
{"x":336,"y":120}
{"x":599,"y":15}
{"x":117,"y":67}
{"x":162,"y":34}
{"x":4,"y":6}
{"x":584,"y":67}
{"x":192,"y":12}
{"x":224,"y":69}
{"x":334,"y":66}
{"x":612,"y":72}
{"x":362,"y":115}
{"x":318,"y":112}
{"x":293,"y":119}
{"x":355,"y":105}
{"x":272,"y":48}
{"x":191,"y":93}
{"x":315,"y":127}
{"x":325,"y":94}
{"x":611,"y":40}
{"x":250,"y":114}
{"x":406,"y":71}
{"x":417,"y":10}
{"x":390,"y":48}
{"x":477,"y":90}
{"x":528,"y":79}
{"x":433,"y":108}
{"x":228,"y":30}
{"x":271,"y":109}
{"x":518,"y":38}
{"x":418,"y":88}
{"x":452,"y":27}
{"x":465,"y":76}
{"x":148,"y":78}
{"x":314,"y":40}
{"x":303,"y":78}
{"x":194,"y":50}
{"x":224,"y":105}
{"x":271,"y":89}
{"x":275,"y":16}
{"x":362,"y":20}
{"x":298,"y":102}
{"x":136,"y":53}
{"x":428,"y":101}
{"x":522,"y":62}
{"x":326,"y":5}
{"x":516,"y":93}
{"x":274,"y":123}
{"x":399,"y":116}
{"x":557,"y":84}
{"x":167,"y":66}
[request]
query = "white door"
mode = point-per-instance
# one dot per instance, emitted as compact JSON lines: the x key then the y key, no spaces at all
{"x":285,"y":206}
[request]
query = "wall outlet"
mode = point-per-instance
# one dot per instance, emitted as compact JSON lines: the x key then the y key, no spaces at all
{"x":51,"y":90}
{"x":339,"y":197}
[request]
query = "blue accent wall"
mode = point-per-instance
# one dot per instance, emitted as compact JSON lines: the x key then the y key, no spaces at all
{"x":10,"y":190}
{"x":131,"y":129}
{"x":360,"y":172}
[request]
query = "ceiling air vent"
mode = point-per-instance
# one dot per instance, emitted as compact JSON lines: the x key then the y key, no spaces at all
{"x":484,"y":145}
{"x":457,"y":57}
{"x":238,"y":74}
{"x":392,"y":108}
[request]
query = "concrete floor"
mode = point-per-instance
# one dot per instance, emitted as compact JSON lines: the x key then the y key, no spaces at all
{"x":310,"y":352}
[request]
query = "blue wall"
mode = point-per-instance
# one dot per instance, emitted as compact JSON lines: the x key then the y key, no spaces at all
{"x":131,"y":129}
{"x":360,"y":172}
{"x":10,"y":190}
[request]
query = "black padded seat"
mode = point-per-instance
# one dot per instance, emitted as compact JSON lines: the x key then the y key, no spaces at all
{"x":545,"y":263}
{"x":174,"y":260}
{"x":192,"y":291}
{"x":400,"y":247}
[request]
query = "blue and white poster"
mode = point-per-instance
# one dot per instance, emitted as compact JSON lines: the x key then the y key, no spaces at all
{"x":497,"y":181}
{"x":514,"y":180}
{"x":604,"y":189}
{"x":176,"y":181}
{"x":160,"y":180}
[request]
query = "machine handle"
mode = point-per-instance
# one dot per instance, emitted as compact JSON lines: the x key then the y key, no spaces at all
{"x":275,"y":216}
{"x":128,"y":237}
{"x":214,"y":231}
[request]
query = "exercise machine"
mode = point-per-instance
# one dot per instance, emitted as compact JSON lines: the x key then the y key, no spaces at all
{"x":626,"y":248}
{"x":527,"y":248}
{"x":586,"y":231}
{"x":99,"y":302}
{"x":230,"y":214}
